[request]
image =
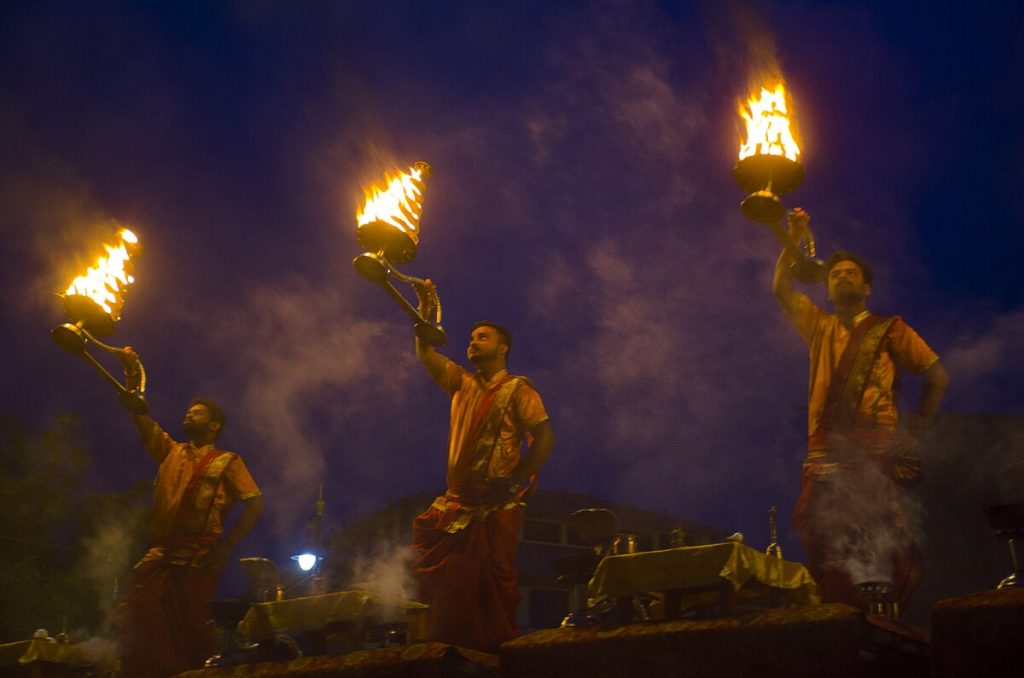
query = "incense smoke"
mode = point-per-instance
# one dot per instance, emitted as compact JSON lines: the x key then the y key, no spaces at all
{"x":385,"y":573}
{"x":855,"y":516}
{"x":307,"y":379}
{"x":108,"y":553}
{"x":581,"y":189}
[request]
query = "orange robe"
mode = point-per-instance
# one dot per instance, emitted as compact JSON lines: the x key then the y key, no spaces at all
{"x":163,"y":618}
{"x":851,"y":517}
{"x":464,"y":549}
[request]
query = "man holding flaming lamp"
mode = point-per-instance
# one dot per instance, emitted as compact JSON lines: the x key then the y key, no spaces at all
{"x":465,"y":544}
{"x":163,"y":618}
{"x":861,"y":453}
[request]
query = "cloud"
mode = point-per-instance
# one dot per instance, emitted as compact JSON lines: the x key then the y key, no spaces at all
{"x":306,"y":373}
{"x":387,"y":575}
{"x":107,"y":555}
{"x":981,"y":362}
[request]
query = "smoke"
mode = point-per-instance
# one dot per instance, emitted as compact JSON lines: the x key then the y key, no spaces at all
{"x":101,"y":653}
{"x":742,"y":42}
{"x":669,"y":287}
{"x":107,"y":557}
{"x":61,"y":231}
{"x":581,"y":189}
{"x":648,"y":324}
{"x":387,"y":575}
{"x":306,"y":375}
{"x":980,"y":365}
{"x":865,"y":521}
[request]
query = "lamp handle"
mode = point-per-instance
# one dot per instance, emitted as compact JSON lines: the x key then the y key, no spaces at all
{"x":75,"y":339}
{"x":376,"y":268}
{"x":807,"y":267}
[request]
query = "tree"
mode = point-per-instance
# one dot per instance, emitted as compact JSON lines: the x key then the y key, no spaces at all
{"x":60,"y":545}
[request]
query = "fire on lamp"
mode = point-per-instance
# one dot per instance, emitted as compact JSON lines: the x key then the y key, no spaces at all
{"x":93,"y":303}
{"x":388,"y":228}
{"x":769,"y":166}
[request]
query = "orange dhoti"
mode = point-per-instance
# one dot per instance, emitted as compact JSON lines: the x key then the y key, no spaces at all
{"x":164,"y":619}
{"x":469,"y":577}
{"x":853,"y":528}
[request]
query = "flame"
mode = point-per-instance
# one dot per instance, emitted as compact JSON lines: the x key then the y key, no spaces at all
{"x":108,"y":281}
{"x":400,"y":204}
{"x":768,"y":125}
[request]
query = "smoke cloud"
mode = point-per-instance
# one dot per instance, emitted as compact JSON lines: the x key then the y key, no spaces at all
{"x":866,"y":522}
{"x":387,"y":575}
{"x":306,"y":377}
{"x":980,"y":360}
{"x":581,"y":193}
{"x":107,"y":557}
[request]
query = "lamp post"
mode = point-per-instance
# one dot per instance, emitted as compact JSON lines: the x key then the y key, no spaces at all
{"x":311,"y":560}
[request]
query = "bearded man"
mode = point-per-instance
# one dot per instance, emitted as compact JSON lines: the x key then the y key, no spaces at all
{"x":862,"y":453}
{"x":163,"y":619}
{"x":465,"y":543}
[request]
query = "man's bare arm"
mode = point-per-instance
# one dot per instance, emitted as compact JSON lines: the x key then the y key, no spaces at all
{"x":936,"y":380}
{"x":435,"y":362}
{"x":146,"y":426}
{"x":252,"y":510}
{"x":782,"y":281}
{"x":538,"y":453}
{"x":907,"y":438}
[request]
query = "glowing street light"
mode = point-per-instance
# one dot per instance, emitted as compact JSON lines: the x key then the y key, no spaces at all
{"x":307,"y":561}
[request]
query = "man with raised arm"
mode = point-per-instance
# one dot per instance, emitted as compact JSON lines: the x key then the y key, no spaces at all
{"x":464,"y":544}
{"x":862,"y":454}
{"x":163,"y":619}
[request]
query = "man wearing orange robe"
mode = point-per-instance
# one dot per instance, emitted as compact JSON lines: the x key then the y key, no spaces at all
{"x":851,"y":516}
{"x":163,"y":619}
{"x":464,"y":544}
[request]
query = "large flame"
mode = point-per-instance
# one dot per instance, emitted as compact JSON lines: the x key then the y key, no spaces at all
{"x":768,"y":125}
{"x":107,"y":282}
{"x":400,"y":204}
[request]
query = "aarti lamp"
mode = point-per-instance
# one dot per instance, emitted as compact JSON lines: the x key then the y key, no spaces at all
{"x":769,"y":167}
{"x":92,"y":304}
{"x":388,"y":228}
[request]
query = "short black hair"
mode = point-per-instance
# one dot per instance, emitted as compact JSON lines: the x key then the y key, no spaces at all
{"x":503,"y":334}
{"x":215,"y":410}
{"x":846,"y":255}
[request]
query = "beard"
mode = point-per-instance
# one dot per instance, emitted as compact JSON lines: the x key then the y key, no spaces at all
{"x":482,"y":356}
{"x":847,"y":294}
{"x":193,"y":429}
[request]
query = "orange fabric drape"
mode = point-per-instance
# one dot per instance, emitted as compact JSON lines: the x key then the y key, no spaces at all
{"x":469,"y":578}
{"x":851,"y":524}
{"x":163,"y":620}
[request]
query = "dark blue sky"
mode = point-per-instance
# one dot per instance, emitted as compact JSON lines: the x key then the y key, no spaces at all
{"x":581,"y":193}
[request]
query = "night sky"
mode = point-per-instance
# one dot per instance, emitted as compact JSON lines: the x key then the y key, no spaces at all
{"x":581,"y":195}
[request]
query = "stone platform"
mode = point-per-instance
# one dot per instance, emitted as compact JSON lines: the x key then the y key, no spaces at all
{"x":423,"y":660}
{"x":836,"y":641}
{"x":980,"y":634}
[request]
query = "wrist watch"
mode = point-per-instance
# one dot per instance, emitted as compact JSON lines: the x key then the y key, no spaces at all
{"x":513,"y":488}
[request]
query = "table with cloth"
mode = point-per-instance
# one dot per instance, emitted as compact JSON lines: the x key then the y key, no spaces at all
{"x":696,"y":576}
{"x":46,"y":657}
{"x":317,"y":616}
